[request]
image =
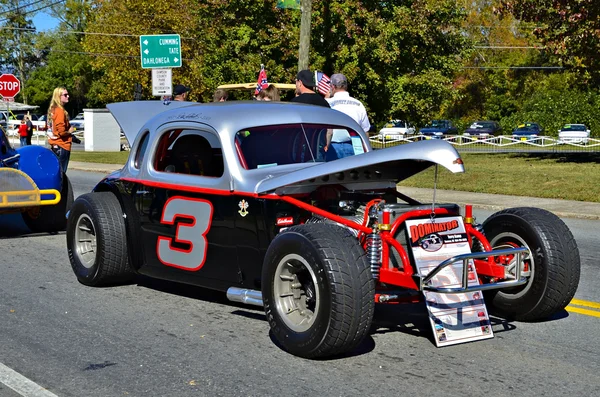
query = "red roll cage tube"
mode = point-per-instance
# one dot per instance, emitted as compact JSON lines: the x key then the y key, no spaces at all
{"x":490,"y":266}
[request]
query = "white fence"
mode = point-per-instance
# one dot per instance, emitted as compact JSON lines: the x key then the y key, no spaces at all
{"x":503,"y":143}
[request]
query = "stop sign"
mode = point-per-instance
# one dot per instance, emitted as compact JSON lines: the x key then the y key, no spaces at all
{"x":9,"y":85}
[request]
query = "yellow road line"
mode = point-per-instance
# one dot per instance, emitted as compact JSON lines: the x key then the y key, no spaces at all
{"x":587,"y":312}
{"x":580,"y":302}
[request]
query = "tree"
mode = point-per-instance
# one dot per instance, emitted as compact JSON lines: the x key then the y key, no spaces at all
{"x":17,"y":53}
{"x":569,"y":29}
{"x":63,"y":62}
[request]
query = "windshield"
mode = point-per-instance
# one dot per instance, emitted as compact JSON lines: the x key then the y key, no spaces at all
{"x":295,"y":143}
{"x":437,"y":124}
{"x":482,"y":124}
{"x":574,"y":127}
{"x":529,"y":127}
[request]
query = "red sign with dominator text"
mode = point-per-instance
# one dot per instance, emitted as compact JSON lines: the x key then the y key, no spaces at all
{"x":9,"y":85}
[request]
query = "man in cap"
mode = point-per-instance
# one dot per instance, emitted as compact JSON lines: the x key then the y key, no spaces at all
{"x":305,"y":84}
{"x":338,"y":140}
{"x":180,"y":92}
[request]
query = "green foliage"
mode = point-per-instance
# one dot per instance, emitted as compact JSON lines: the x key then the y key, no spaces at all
{"x":553,"y":102}
{"x":569,"y":29}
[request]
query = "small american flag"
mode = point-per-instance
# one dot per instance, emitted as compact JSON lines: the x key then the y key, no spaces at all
{"x":323,"y":83}
{"x":262,"y":80}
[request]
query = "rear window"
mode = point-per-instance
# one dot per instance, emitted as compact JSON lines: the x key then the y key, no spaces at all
{"x":295,"y":143}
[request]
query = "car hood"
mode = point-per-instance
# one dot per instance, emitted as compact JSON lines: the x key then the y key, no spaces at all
{"x":392,"y":164}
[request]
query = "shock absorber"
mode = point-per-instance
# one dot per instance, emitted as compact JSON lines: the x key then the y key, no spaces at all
{"x":374,"y":252}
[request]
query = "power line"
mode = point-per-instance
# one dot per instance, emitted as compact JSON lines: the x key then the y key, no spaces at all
{"x":38,"y":9}
{"x":84,"y":33}
{"x":514,"y":67}
{"x":503,"y":47}
{"x":21,"y":7}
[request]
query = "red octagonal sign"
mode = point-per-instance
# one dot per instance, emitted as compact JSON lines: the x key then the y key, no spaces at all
{"x":9,"y":85}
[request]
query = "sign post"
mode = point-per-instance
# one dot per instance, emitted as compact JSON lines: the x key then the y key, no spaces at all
{"x":10,"y":86}
{"x":160,"y":51}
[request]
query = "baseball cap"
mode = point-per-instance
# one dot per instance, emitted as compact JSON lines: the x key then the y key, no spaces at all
{"x":339,"y":80}
{"x":306,"y":77}
{"x":180,"y":89}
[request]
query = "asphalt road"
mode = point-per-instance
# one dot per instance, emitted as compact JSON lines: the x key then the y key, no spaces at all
{"x":152,"y":338}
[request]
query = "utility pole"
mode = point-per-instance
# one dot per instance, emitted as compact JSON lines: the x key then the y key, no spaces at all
{"x":303,"y":51}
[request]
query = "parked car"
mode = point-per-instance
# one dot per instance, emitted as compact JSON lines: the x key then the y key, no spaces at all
{"x":240,"y":197}
{"x":574,"y":133}
{"x":32,"y":183}
{"x":438,"y":128}
{"x":78,"y":122}
{"x":483,"y":129}
{"x":396,"y":128}
{"x":526,"y":131}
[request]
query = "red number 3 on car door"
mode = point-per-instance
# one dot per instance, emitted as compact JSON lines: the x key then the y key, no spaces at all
{"x":192,"y":234}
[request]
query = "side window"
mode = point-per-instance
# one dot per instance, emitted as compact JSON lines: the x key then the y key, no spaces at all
{"x":191,"y":152}
{"x":139,"y":155}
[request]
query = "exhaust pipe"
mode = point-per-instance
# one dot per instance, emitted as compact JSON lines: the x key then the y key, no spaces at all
{"x":247,"y":296}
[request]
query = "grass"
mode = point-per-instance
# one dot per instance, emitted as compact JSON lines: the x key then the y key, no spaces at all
{"x":100,"y":157}
{"x":567,"y":176}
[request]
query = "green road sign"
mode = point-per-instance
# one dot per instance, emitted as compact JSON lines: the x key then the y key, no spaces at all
{"x":160,"y":51}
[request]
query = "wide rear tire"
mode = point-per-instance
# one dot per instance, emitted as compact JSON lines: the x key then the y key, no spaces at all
{"x":553,"y":265}
{"x":318,"y":290}
{"x":97,"y":241}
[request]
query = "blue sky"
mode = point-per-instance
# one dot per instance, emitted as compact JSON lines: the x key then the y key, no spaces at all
{"x":44,"y":22}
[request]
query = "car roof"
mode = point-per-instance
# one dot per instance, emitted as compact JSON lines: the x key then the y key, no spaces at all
{"x":224,"y":117}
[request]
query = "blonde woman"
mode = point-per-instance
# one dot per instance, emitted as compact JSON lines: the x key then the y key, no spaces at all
{"x":61,"y":128}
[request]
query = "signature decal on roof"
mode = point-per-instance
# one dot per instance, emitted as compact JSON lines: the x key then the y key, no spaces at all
{"x":188,"y":115}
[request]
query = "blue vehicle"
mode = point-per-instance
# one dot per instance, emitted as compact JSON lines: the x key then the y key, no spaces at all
{"x":32,"y":183}
{"x":527,"y":131}
{"x":438,"y":128}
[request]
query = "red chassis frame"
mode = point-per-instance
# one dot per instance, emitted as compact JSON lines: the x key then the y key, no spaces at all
{"x":493,"y":267}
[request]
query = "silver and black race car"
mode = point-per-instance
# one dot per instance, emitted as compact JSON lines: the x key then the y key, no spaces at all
{"x":251,"y":198}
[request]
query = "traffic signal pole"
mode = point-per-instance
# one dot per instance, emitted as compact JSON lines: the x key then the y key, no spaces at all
{"x":306,"y":9}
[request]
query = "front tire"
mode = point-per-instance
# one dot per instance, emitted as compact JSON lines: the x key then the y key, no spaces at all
{"x":553,"y":264}
{"x":97,"y":241}
{"x":318,"y":290}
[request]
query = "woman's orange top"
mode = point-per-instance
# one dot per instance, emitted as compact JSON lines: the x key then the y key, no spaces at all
{"x":60,"y":128}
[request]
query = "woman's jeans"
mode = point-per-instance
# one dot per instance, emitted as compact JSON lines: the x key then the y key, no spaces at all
{"x":23,"y":141}
{"x":63,"y":157}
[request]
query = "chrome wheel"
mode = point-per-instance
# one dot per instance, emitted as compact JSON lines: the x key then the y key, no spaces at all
{"x":85,"y":241}
{"x":295,"y":293}
{"x":511,"y":240}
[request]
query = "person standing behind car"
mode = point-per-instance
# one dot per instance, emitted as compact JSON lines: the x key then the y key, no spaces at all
{"x":305,"y":84}
{"x":23,"y":132}
{"x":61,"y":128}
{"x":338,"y":139}
{"x":29,"y":129}
{"x":180,"y":92}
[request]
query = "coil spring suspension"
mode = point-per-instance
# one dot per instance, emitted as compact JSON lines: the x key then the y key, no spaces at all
{"x":374,"y":253}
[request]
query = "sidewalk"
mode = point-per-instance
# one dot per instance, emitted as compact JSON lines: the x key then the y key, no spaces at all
{"x":493,"y":202}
